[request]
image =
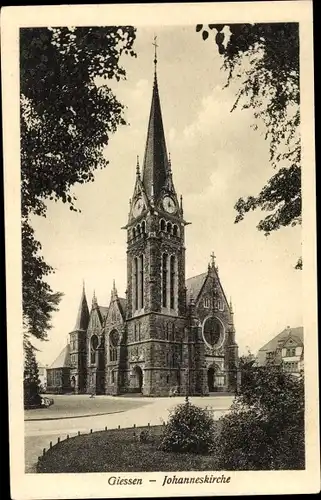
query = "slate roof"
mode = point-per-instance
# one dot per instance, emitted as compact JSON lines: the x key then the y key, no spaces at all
{"x":63,"y":360}
{"x":295,"y":333}
{"x":123,"y":304}
{"x":194,"y":285}
{"x":156,"y":168}
{"x":83,"y":313}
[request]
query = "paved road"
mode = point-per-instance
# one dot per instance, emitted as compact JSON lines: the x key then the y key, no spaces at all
{"x":139,"y":411}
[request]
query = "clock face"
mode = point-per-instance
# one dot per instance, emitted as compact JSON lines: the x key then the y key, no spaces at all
{"x":169,"y":204}
{"x":138,"y":207}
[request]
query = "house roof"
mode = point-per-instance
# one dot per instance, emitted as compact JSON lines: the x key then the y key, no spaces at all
{"x":63,"y":360}
{"x":294,"y":333}
{"x":194,"y":285}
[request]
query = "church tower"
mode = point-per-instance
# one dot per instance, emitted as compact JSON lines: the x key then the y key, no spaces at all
{"x":156,"y":296}
{"x":78,"y":347}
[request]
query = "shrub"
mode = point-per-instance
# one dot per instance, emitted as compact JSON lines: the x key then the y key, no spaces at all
{"x":189,"y":429}
{"x":265,"y":428}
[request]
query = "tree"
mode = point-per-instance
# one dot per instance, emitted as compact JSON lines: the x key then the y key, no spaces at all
{"x":264,"y":59}
{"x":31,"y":382}
{"x":67,"y":116}
{"x":265,"y":428}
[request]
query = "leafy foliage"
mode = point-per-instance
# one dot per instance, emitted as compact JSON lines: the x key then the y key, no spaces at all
{"x":67,"y":115}
{"x":264,"y":59}
{"x":265,"y":428}
{"x":189,"y":429}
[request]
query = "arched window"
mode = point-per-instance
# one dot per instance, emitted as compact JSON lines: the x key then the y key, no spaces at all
{"x":175,"y":230}
{"x":138,"y":229}
{"x":206,"y":302}
{"x":169,"y":227}
{"x":93,"y":348}
{"x":113,"y":345}
{"x":167,"y":331}
{"x":135,"y":287}
{"x":141,"y":281}
{"x":143,"y":227}
{"x":172,"y":281}
{"x":162,"y":225}
{"x":135,"y":332}
{"x":164,"y":279}
{"x":134,"y":233}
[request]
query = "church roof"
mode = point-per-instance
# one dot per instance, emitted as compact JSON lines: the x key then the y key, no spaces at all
{"x":155,"y":168}
{"x":83,"y":313}
{"x":103,"y":310}
{"x":194,"y":285}
{"x":123,"y":304}
{"x":63,"y":360}
{"x":294,"y":333}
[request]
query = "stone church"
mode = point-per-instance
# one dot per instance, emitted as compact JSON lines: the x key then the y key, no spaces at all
{"x":169,"y":333}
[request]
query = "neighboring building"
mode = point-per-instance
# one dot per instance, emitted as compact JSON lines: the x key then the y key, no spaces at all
{"x":287,"y":347}
{"x":168,"y":331}
{"x":58,"y":374}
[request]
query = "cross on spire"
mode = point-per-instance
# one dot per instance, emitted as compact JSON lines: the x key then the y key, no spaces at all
{"x":155,"y":56}
{"x":213,"y":257}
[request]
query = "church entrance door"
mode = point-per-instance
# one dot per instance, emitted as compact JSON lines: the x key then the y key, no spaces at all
{"x":138,"y":379}
{"x":211,"y":379}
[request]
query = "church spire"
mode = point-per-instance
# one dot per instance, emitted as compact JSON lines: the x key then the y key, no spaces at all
{"x":155,"y":166}
{"x":83,"y":312}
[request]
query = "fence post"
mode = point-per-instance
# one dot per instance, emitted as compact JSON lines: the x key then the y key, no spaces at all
{"x":58,"y":440}
{"x":50,"y":444}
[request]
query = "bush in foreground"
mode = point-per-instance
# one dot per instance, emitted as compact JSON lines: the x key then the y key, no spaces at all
{"x":265,"y":428}
{"x":189,"y":429}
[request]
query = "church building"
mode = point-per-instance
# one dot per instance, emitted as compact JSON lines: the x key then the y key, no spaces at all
{"x":169,"y":334}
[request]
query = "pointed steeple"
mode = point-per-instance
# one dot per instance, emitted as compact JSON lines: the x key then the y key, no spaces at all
{"x":94,"y":302}
{"x":155,"y":167}
{"x":83,"y":312}
{"x":114,"y":293}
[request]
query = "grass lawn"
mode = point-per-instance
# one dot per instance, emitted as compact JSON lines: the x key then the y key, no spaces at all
{"x":119,"y":450}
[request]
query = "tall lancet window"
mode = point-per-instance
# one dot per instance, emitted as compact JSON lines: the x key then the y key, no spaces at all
{"x":135,"y":283}
{"x":172,"y":287}
{"x":141,"y":281}
{"x":164,"y":279}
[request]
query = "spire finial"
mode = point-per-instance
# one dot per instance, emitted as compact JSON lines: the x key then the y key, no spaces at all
{"x":94,"y":301}
{"x":83,"y":287}
{"x":213,"y":257}
{"x":155,"y":54}
{"x":137,"y":167}
{"x":181,"y":203}
{"x":169,"y":162}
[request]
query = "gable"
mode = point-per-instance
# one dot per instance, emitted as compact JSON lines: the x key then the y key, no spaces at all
{"x":95,"y":319}
{"x":116,"y":312}
{"x":206,"y":294}
{"x":292,"y":342}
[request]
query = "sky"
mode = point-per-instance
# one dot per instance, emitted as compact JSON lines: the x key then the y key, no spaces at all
{"x":217,"y":157}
